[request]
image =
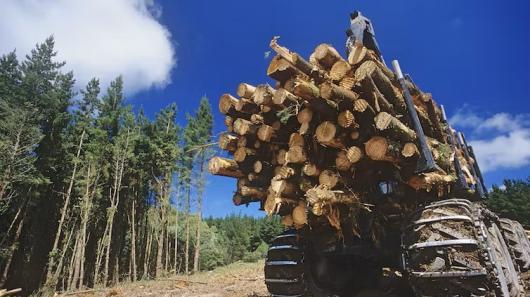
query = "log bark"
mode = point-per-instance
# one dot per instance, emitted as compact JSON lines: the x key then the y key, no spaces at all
{"x":386,"y":122}
{"x":224,"y":167}
{"x":310,"y":92}
{"x":281,"y":69}
{"x":331,"y":91}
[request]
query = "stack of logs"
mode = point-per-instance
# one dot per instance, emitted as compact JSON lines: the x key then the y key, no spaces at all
{"x":327,"y":133}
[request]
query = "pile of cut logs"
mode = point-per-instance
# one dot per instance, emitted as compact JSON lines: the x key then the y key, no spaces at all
{"x":327,"y":133}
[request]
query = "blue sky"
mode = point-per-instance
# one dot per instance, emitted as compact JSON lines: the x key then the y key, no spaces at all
{"x":471,"y":55}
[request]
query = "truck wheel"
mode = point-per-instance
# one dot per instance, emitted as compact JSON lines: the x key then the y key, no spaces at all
{"x":517,"y":241}
{"x":449,"y":251}
{"x":290,"y":271}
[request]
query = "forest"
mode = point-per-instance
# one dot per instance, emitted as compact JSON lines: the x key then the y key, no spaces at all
{"x":93,"y":192}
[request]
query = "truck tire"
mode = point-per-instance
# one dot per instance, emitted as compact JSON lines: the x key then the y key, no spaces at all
{"x":449,"y":250}
{"x":518,"y":243}
{"x":289,"y":271}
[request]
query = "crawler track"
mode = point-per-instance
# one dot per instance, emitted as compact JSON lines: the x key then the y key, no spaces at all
{"x":451,"y":249}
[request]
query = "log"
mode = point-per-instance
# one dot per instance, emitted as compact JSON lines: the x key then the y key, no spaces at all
{"x":357,"y":54}
{"x":285,"y":98}
{"x":259,"y":179}
{"x":280,"y":69}
{"x":263,"y":95}
{"x":296,"y":139}
{"x":386,"y":122}
{"x":242,"y":154}
{"x":304,"y":118}
{"x":379,"y":148}
{"x":310,"y":169}
{"x":295,"y":154}
{"x":310,"y":92}
{"x":331,"y":91}
{"x":348,"y":82}
{"x":342,"y":162}
{"x":244,"y":127}
{"x":239,"y":199}
{"x":263,"y":167}
{"x":409,"y":150}
{"x":377,"y":99}
{"x":297,"y":61}
{"x":224,"y":167}
{"x":339,"y":70}
{"x":326,"y":55}
{"x":354,"y":154}
{"x":253,"y":192}
{"x":284,"y":172}
{"x":427,"y":181}
{"x":228,"y":142}
{"x":266,"y":133}
{"x":326,"y":133}
{"x":328,"y":178}
{"x":226,"y":103}
{"x":229,"y":123}
{"x":280,"y":157}
{"x":306,"y":184}
{"x":245,"y":105}
{"x":326,"y":196}
{"x":354,"y":135}
{"x":283,"y":188}
{"x":346,"y":120}
{"x":300,"y":214}
{"x":257,"y":119}
{"x":245,"y":90}
{"x":363,"y":106}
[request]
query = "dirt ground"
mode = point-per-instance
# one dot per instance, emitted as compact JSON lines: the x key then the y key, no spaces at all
{"x":235,"y":280}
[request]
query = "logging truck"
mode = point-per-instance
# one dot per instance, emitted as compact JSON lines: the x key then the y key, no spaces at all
{"x":369,"y":178}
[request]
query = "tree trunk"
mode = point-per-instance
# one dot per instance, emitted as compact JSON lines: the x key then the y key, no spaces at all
{"x":51,"y":262}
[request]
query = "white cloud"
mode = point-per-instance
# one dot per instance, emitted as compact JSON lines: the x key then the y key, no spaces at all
{"x":500,"y":141}
{"x":97,"y":38}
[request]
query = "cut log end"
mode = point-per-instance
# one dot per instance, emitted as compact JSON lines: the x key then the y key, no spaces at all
{"x":224,"y":167}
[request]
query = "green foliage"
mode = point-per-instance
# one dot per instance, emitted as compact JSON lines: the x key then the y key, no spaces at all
{"x":512,"y":201}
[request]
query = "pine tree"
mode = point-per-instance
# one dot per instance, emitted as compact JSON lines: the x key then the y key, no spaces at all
{"x":203,"y":151}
